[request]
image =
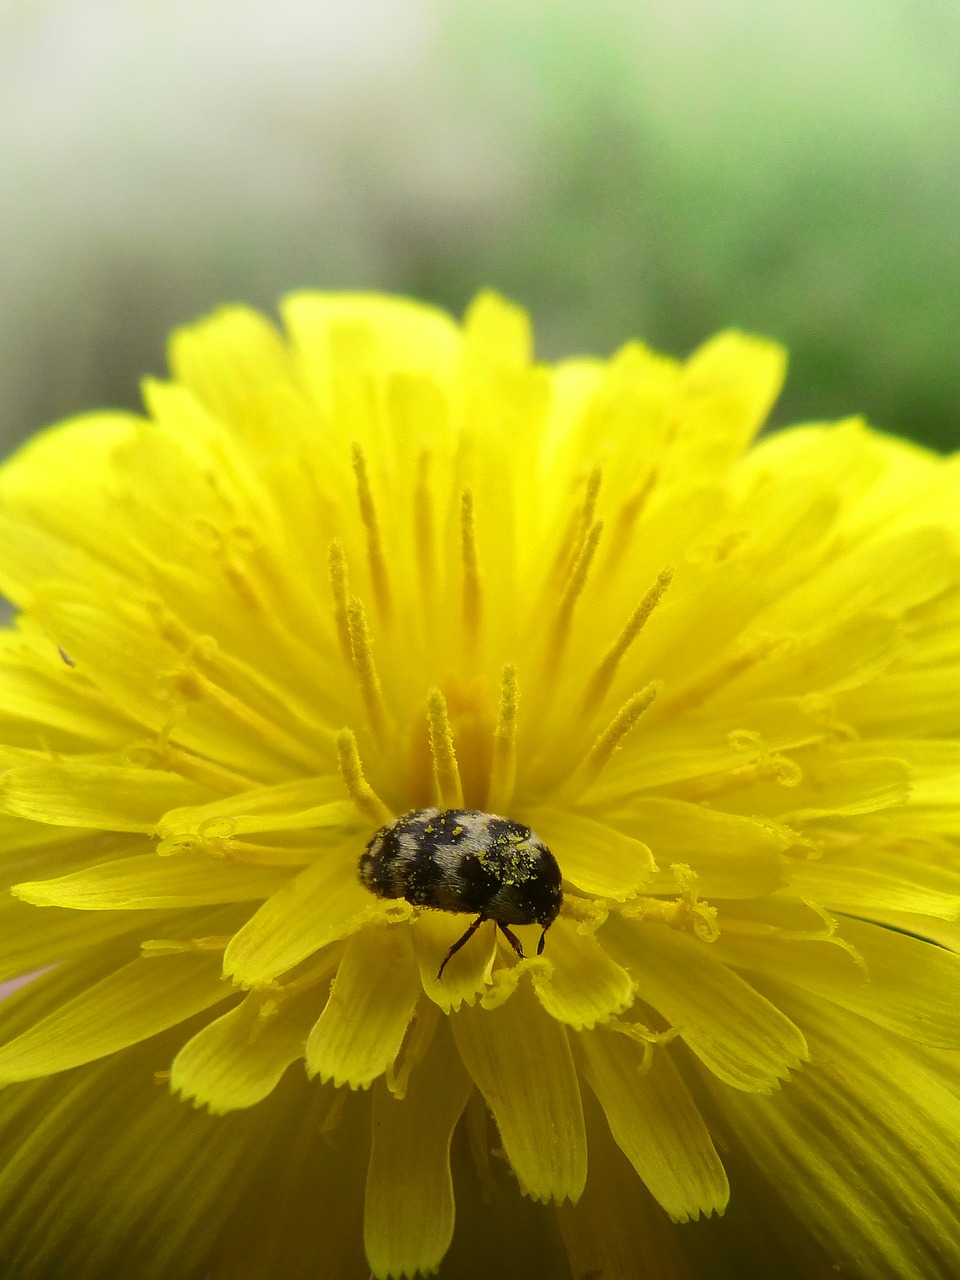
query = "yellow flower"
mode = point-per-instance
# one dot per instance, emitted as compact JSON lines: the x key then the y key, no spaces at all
{"x":386,"y":563}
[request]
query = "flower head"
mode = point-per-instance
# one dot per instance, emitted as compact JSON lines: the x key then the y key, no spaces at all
{"x":382,"y":586}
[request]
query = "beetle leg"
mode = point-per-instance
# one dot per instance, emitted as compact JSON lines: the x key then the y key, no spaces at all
{"x":512,"y":938}
{"x":462,"y":942}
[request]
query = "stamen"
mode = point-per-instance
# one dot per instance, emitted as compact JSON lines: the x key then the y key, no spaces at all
{"x":368,"y":514}
{"x":572,"y":592}
{"x":471,"y":570}
{"x":630,"y":513}
{"x":503,"y":766}
{"x":602,"y":678}
{"x":423,"y":526}
{"x":598,"y":757}
{"x":339,"y":588}
{"x":371,"y":689}
{"x":578,"y":525}
{"x":589,"y":508}
{"x":446,"y":773}
{"x":748,"y":656}
{"x":359,"y":789}
{"x":685,"y":912}
{"x":188,"y":683}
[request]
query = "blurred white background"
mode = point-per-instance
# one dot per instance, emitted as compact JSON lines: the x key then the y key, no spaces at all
{"x":625,"y":167}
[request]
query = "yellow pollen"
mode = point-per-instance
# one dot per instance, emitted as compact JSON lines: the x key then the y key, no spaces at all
{"x":359,"y":789}
{"x":371,"y":689}
{"x":339,"y":588}
{"x":368,"y":514}
{"x":572,"y":592}
{"x":602,"y":678}
{"x":503,"y":766}
{"x":471,"y":570}
{"x":446,"y":773}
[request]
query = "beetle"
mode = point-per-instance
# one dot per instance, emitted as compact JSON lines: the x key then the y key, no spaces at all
{"x":463,"y":860}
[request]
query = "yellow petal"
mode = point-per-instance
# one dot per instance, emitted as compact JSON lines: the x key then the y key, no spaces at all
{"x":700,"y":745}
{"x":372,"y":1001}
{"x":409,"y":1208}
{"x":733,"y":856}
{"x":381,"y":332}
{"x":889,"y":575}
{"x":321,"y":904}
{"x":864,"y":1146}
{"x":42,"y":698}
{"x":234,"y":361}
{"x":151,"y":881}
{"x":727,"y":388}
{"x":616,"y":1229}
{"x":160,"y":1180}
{"x":81,"y":793}
{"x":576,"y":981}
{"x":467,"y":972}
{"x":656,"y":1124}
{"x":302,"y":1214}
{"x":593,"y":856}
{"x":238,"y":1059}
{"x":137,"y":1001}
{"x":910,"y":987}
{"x":520,"y":1061}
{"x":868,"y":878}
{"x":300,"y":803}
{"x":31,"y":939}
{"x":743,"y":1038}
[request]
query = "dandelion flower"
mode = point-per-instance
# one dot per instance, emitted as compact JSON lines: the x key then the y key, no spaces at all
{"x":384,"y":563}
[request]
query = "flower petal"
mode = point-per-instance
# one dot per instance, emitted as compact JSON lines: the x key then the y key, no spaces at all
{"x":867,"y":878}
{"x":302,"y":803}
{"x":144,"y":997}
{"x":520,"y":1061}
{"x":910,"y":987}
{"x":864,"y":1145}
{"x":31,"y":939}
{"x":577,"y":982}
{"x":151,"y":881}
{"x":409,"y":1208}
{"x":616,"y":1230}
{"x":82,"y":793}
{"x":593,"y":856}
{"x":321,"y":904}
{"x":238,"y":1059}
{"x":302,"y":1215}
{"x":159,"y":1179}
{"x":656,"y":1124}
{"x":733,"y":856}
{"x":727,"y":387}
{"x":736,"y":1032}
{"x":372,"y":1001}
{"x":468,"y":971}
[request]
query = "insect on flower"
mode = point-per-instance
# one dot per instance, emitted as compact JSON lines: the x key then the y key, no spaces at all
{"x":465,"y":861}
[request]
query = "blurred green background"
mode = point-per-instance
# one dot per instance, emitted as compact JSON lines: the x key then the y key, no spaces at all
{"x":622,"y":169}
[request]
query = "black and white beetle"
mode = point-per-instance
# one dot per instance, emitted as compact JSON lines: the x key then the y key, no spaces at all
{"x":466,"y":861}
